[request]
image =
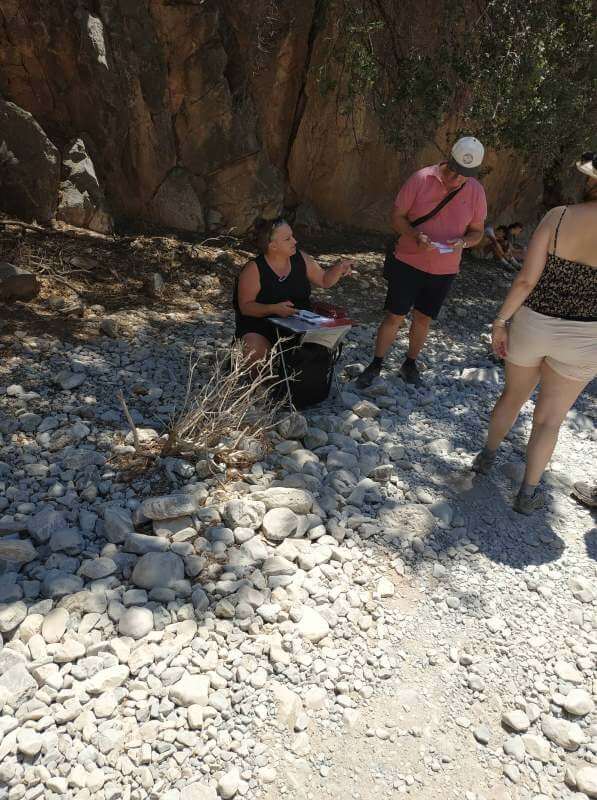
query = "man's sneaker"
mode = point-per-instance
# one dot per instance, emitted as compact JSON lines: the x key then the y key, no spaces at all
{"x":526,"y":503}
{"x":368,"y":375}
{"x":484,"y":461}
{"x":586,"y":494}
{"x":409,"y":372}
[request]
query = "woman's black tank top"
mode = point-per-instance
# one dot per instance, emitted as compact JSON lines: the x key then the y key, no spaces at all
{"x":294,"y":287}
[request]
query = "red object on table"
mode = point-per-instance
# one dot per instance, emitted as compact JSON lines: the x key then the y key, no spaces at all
{"x":328,"y":310}
{"x":336,"y":313}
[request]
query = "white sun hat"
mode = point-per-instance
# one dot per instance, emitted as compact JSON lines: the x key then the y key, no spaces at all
{"x":466,"y":156}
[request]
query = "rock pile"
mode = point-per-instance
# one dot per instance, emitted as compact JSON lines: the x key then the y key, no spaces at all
{"x":186,"y":636}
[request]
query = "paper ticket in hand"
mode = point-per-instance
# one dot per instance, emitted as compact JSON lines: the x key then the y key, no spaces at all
{"x":443,"y":247}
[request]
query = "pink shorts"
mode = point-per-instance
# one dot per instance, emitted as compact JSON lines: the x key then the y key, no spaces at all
{"x":568,"y":347}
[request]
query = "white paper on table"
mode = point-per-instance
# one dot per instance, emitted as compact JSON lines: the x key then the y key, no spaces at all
{"x":443,"y":247}
{"x":311,"y":317}
{"x":327,"y":337}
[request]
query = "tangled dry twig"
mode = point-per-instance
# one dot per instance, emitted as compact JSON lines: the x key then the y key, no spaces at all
{"x":226,"y":419}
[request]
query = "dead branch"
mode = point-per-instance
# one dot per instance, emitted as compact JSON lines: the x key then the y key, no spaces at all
{"x":129,"y":419}
{"x":57,"y":229}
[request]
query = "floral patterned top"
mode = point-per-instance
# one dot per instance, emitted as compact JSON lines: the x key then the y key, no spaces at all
{"x":566,"y":289}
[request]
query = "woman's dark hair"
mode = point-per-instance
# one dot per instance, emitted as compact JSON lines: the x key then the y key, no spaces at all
{"x":264,"y":231}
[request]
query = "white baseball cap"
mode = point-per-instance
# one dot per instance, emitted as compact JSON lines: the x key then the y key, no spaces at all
{"x":466,"y":156}
{"x":587,"y":164}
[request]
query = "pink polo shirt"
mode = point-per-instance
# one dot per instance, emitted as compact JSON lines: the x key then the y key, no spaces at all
{"x":419,"y":195}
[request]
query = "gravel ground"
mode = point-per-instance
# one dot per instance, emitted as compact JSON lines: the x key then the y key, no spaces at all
{"x":355,"y":616}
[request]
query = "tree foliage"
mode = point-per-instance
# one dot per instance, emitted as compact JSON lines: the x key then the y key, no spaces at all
{"x":519,"y":73}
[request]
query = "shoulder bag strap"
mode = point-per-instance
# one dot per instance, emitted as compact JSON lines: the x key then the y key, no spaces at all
{"x":555,"y":239}
{"x":391,"y":243}
{"x":438,"y":207}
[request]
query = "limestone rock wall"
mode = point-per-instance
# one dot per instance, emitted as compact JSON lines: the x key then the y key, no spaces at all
{"x":203,"y":114}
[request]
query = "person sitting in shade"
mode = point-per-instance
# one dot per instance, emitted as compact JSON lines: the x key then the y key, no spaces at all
{"x":277,"y":283}
{"x":494,"y":245}
{"x":516,"y":251}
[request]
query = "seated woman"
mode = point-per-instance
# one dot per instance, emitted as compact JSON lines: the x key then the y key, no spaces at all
{"x":517,"y":251}
{"x":276,"y":284}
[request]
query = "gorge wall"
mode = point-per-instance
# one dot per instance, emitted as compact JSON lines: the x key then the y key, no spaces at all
{"x":198,"y":115}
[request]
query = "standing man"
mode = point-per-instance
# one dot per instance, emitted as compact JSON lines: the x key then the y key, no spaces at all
{"x":439,"y":211}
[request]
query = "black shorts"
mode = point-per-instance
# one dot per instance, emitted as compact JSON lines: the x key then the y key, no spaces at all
{"x":412,"y":288}
{"x":260,"y":325}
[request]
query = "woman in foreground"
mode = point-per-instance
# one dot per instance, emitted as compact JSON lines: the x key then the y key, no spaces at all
{"x":546,"y":331}
{"x":276,"y":284}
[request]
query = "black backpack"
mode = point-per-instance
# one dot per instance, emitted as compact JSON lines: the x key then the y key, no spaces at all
{"x":310,"y":371}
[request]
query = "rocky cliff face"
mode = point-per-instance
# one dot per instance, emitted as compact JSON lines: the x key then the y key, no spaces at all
{"x":198,"y":115}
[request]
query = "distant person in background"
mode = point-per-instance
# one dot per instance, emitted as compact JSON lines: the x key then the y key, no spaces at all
{"x":492,"y":243}
{"x":546,"y":331}
{"x":427,"y":256}
{"x":496,"y":244}
{"x":277,"y":283}
{"x":517,"y":253}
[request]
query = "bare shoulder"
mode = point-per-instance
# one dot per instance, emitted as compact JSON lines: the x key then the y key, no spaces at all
{"x":554,"y":215}
{"x":249,"y":267}
{"x":249,"y":272}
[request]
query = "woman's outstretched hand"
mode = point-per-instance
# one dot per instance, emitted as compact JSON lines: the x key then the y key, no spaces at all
{"x":499,"y":340}
{"x":285,"y":309}
{"x":345,"y":267}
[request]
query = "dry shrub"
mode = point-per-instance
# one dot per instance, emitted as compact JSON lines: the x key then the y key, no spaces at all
{"x":227,"y":418}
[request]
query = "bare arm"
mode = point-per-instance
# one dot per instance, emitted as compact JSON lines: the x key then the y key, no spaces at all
{"x":473,"y":235}
{"x":533,"y":266}
{"x":326,"y":278}
{"x":402,"y":227}
{"x":497,"y":249}
{"x":248,"y":289}
{"x":525,"y":281}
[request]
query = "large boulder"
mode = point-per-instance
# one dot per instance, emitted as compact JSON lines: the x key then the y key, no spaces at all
{"x":155,"y":570}
{"x":17,"y":284}
{"x":20,"y":551}
{"x":243,"y":513}
{"x":30,"y":177}
{"x":176,"y":203}
{"x":236,"y":104}
{"x":19,"y":683}
{"x":298,"y":500}
{"x":568,"y":735}
{"x":82,"y":202}
{"x":172,"y":506}
{"x":43,"y":524}
{"x":279,"y":523}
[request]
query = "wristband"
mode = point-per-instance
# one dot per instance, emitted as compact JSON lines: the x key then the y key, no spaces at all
{"x":501,"y":322}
